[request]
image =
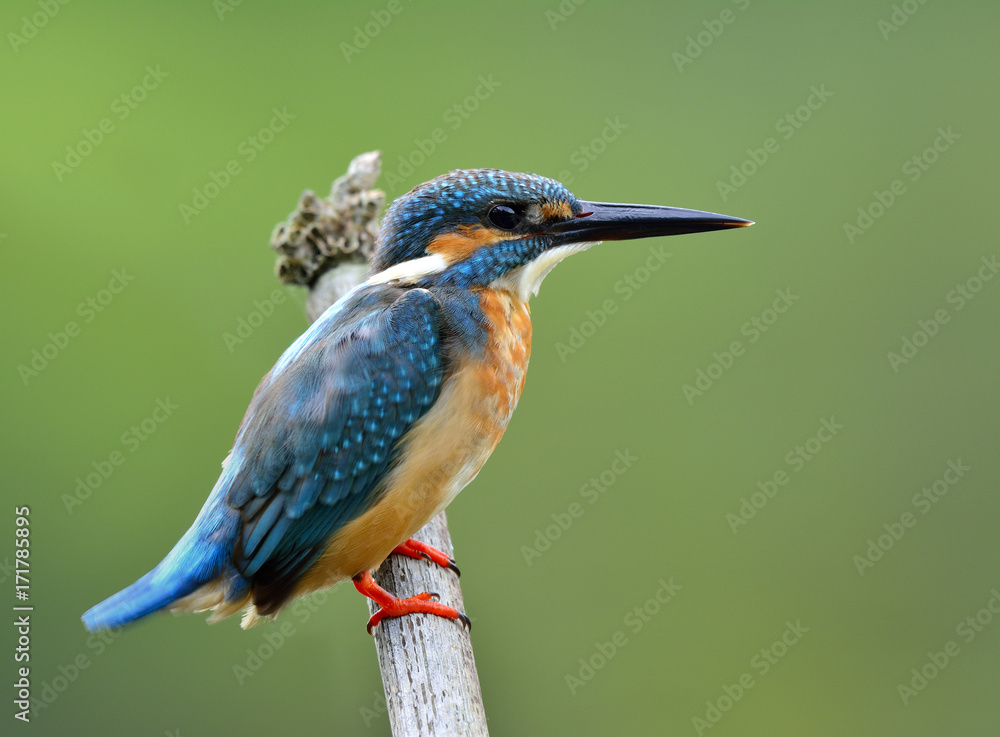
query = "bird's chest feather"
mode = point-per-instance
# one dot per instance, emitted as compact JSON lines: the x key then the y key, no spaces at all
{"x":501,"y":372}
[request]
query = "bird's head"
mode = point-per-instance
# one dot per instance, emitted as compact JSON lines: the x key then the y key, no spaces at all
{"x":473,"y":227}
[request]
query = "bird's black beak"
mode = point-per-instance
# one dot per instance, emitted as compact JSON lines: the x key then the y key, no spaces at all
{"x":607,"y":221}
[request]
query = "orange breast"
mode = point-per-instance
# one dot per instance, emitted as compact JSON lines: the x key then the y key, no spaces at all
{"x":443,"y":451}
{"x":501,"y":375}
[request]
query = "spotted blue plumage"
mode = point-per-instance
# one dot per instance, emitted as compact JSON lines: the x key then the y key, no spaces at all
{"x":488,"y":264}
{"x":456,"y":198}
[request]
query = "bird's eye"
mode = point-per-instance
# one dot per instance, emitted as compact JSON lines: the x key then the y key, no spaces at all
{"x":504,"y":217}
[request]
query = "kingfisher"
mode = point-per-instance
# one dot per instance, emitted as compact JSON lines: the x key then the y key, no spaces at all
{"x":389,"y":404}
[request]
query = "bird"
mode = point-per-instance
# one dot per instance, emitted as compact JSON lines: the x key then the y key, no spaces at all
{"x":389,"y":404}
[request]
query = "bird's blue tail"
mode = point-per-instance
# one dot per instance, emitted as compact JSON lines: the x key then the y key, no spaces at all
{"x":201,"y":556}
{"x":145,"y":596}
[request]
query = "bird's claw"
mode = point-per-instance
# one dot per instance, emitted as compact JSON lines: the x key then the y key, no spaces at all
{"x":392,"y":606}
{"x":417,"y":550}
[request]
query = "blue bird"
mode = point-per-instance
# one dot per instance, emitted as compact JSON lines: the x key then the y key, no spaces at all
{"x":389,"y":404}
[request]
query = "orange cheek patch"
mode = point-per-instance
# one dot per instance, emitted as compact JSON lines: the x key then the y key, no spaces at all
{"x":459,"y":244}
{"x":556,"y":210}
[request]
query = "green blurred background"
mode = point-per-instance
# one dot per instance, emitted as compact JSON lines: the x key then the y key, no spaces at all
{"x":624,"y":102}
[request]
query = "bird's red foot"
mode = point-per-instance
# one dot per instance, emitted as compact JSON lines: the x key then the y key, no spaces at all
{"x":395,"y":607}
{"x":416,"y":549}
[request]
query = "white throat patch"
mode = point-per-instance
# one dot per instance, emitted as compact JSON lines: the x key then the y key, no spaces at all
{"x":527,"y":279}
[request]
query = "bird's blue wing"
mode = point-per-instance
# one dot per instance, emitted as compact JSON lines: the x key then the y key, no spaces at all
{"x":323,"y":428}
